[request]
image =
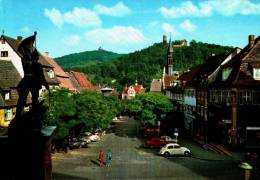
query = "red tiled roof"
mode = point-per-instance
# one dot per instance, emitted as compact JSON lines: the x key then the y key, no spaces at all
{"x":168,"y":79}
{"x":62,"y":77}
{"x":80,"y":81}
{"x":66,"y":83}
{"x":57,"y":69}
{"x":138,"y":89}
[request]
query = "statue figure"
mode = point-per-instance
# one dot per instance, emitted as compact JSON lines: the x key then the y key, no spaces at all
{"x":33,"y":75}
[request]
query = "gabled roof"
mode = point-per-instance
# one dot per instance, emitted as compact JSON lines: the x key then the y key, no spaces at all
{"x":50,"y":81}
{"x":190,"y":75}
{"x":57,"y":69}
{"x":80,"y":81}
{"x":9,"y":80}
{"x":62,"y":76}
{"x":139,"y":89}
{"x":14,"y":43}
{"x":9,"y":76}
{"x":202,"y":71}
{"x":156,"y":85}
{"x":168,"y":79}
{"x":242,"y":65}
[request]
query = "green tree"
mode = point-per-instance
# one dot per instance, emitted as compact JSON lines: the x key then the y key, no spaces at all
{"x":150,"y":107}
{"x":84,"y":111}
{"x":61,"y":113}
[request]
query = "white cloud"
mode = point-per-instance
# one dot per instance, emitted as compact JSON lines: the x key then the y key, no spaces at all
{"x":232,"y":7}
{"x":115,"y":35}
{"x":80,"y":17}
{"x":25,"y":29}
{"x":186,"y":9}
{"x":170,"y":29}
{"x":72,"y":40}
{"x":118,"y":10}
{"x":207,"y":8}
{"x":188,"y":26}
{"x":55,"y":16}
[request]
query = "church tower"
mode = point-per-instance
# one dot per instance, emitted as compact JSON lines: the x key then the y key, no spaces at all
{"x":169,"y":59}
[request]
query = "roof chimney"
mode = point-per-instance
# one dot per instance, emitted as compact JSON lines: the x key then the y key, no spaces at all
{"x":251,"y":40}
{"x":19,"y":38}
{"x":47,"y":54}
{"x":164,"y":39}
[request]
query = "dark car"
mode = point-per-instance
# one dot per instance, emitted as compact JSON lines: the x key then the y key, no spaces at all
{"x":155,"y":143}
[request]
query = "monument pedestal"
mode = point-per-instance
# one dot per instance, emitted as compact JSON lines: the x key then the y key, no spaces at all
{"x":27,"y":155}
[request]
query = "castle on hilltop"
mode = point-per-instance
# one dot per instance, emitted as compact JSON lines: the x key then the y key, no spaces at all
{"x":177,"y":44}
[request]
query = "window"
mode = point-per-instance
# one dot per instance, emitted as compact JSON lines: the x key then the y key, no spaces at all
{"x":51,"y":74}
{"x":245,"y":97}
{"x":7,"y":96}
{"x":170,"y":147}
{"x":8,"y":114}
{"x":4,"y":53}
{"x":256,"y":73}
{"x":226,"y":73}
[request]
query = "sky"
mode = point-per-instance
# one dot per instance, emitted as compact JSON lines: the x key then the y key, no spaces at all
{"x":123,"y":26}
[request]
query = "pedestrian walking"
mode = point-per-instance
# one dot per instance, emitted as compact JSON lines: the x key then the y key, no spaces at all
{"x":108,"y":158}
{"x":101,"y":158}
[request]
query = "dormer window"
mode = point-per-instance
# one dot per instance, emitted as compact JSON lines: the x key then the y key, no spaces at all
{"x":7,"y":95}
{"x":4,"y":53}
{"x":225,"y":73}
{"x":8,"y":114}
{"x":51,"y":74}
{"x":256,"y":73}
{"x":2,"y":40}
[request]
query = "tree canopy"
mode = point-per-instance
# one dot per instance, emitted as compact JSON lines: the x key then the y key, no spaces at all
{"x":150,"y":107}
{"x":84,"y":111}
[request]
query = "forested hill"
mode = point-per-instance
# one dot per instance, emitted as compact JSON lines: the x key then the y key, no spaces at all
{"x":146,"y":64}
{"x":87,"y":57}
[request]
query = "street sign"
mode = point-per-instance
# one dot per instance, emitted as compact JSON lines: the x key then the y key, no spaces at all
{"x":176,"y":134}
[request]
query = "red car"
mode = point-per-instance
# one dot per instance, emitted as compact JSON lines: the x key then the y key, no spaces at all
{"x":155,"y":143}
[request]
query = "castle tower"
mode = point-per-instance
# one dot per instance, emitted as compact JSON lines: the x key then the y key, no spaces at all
{"x":169,"y":59}
{"x":164,"y":39}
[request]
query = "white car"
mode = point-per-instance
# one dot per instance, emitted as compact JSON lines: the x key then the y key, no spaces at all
{"x":174,"y":149}
{"x":168,"y":139}
{"x":94,"y":138}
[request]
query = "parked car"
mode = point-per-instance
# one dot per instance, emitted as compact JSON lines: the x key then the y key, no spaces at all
{"x":94,"y":138}
{"x":74,"y":144}
{"x":174,"y":149}
{"x":168,"y":139}
{"x":152,"y":132}
{"x":155,"y":143}
{"x":87,"y":133}
{"x":83,"y":144}
{"x":85,"y":139}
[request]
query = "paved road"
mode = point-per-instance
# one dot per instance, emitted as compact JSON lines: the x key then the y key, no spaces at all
{"x":131,"y":161}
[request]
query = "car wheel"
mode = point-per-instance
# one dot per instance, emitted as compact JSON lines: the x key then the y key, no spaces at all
{"x":166,"y":154}
{"x":186,"y":153}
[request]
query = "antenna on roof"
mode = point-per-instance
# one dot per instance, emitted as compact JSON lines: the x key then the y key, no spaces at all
{"x":3,"y":32}
{"x":35,"y":33}
{"x":170,"y":37}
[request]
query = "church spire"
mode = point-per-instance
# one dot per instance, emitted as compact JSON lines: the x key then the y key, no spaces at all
{"x":169,"y":58}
